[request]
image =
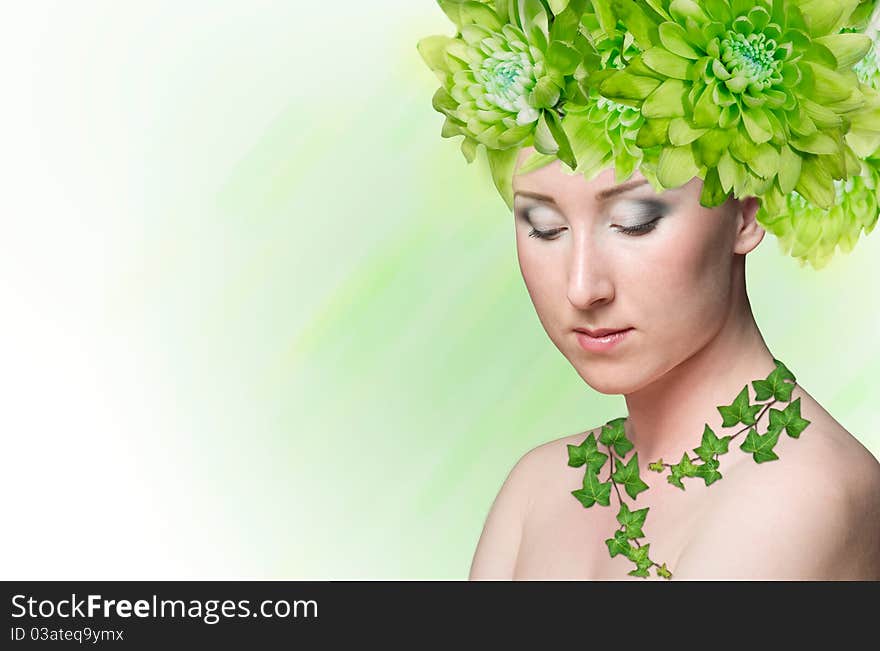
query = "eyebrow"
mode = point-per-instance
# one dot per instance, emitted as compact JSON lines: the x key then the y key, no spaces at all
{"x":604,"y":195}
{"x":620,"y":189}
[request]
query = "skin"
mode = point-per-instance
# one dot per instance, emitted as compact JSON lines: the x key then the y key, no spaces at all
{"x":694,"y":345}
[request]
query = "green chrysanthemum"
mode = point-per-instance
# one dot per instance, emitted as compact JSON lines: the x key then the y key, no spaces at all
{"x":811,"y":234}
{"x":604,"y":132}
{"x":505,"y":76}
{"x":749,"y":95}
{"x":490,"y":74}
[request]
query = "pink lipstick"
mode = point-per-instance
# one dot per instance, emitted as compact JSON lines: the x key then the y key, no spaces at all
{"x":600,"y":340}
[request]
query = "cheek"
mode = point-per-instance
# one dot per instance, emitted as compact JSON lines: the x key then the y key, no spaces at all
{"x":544,"y":277}
{"x":686,"y":287}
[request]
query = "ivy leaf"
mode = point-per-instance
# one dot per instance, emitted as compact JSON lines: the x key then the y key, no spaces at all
{"x":683,"y":468}
{"x":656,"y":466}
{"x":789,"y":418}
{"x":785,"y":374}
{"x":628,"y":475}
{"x":709,"y":471}
{"x":613,"y":434}
{"x":663,"y":571}
{"x":774,"y":385}
{"x":632,"y":520}
{"x":587,"y":453}
{"x":761,"y":447}
{"x":711,"y":445}
{"x":639,"y":556}
{"x":739,"y":411}
{"x":687,"y":468}
{"x":593,"y":491}
{"x":619,"y":544}
{"x":577,"y":454}
{"x":596,"y":460}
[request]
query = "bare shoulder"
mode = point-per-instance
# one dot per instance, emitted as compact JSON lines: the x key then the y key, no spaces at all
{"x":811,"y":514}
{"x":498,"y":547}
{"x":543,"y":473}
{"x":552,"y":451}
{"x":547,"y":467}
{"x":825,"y":463}
{"x":824,"y":455}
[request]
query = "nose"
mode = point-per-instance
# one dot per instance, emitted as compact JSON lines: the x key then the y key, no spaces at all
{"x":589,"y":274}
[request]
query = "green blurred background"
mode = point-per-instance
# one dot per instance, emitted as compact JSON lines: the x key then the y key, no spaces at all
{"x":261,"y":321}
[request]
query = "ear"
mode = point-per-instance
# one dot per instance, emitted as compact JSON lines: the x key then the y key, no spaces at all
{"x":749,"y":232}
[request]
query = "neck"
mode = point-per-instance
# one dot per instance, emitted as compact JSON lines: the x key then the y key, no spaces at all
{"x":666,"y":418}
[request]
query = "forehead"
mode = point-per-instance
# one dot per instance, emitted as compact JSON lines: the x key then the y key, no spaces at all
{"x":557,"y":180}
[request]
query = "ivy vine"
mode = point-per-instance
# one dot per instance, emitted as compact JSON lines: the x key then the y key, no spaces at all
{"x":775,"y":388}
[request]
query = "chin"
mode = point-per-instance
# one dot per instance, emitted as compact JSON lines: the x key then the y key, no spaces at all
{"x":617,"y":383}
{"x":617,"y":377}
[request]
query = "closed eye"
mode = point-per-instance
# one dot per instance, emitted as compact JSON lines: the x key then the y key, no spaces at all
{"x":545,"y":235}
{"x":640,"y":229}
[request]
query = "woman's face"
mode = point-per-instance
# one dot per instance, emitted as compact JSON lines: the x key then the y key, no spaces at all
{"x":622,"y":256}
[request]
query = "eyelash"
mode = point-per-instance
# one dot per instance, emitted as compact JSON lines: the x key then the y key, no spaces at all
{"x":628,"y":230}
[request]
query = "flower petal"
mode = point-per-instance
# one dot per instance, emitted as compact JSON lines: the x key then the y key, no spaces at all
{"x":789,"y":169}
{"x":681,"y":133}
{"x":501,"y":166}
{"x":674,"y":39}
{"x":677,"y":166}
{"x":757,"y":125}
{"x":848,"y":49}
{"x":626,"y":86}
{"x":667,"y":101}
{"x":666,"y":63}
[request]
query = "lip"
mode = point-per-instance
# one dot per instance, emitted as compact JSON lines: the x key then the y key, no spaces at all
{"x":605,"y":340}
{"x":600,"y":332}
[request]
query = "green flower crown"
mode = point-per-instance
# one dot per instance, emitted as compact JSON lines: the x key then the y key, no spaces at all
{"x":777,"y":99}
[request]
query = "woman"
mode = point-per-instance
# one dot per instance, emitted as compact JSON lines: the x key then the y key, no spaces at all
{"x":676,"y":281}
{"x":645,"y":148}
